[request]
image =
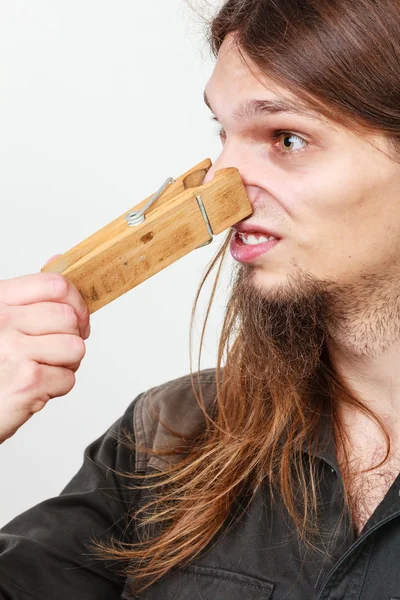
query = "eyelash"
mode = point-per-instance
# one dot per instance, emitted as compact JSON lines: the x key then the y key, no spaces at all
{"x":276,"y":135}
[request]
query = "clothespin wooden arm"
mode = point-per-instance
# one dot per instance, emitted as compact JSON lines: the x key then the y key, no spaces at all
{"x":184,"y":217}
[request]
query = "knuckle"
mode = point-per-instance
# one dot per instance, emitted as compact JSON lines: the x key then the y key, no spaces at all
{"x":84,"y":312}
{"x":31,"y":376}
{"x":70,"y":315}
{"x":70,"y":381}
{"x":66,"y":383}
{"x":59,"y":285}
{"x":78,"y":345}
{"x":37,"y":405}
{"x":75,"y":366}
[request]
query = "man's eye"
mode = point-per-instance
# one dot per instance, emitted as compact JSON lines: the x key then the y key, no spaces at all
{"x":289,"y":142}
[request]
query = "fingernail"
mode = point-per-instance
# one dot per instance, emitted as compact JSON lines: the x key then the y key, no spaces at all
{"x":52,"y":258}
{"x":87,"y":332}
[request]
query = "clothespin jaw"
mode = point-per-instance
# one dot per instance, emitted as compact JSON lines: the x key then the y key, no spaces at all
{"x":182,"y":216}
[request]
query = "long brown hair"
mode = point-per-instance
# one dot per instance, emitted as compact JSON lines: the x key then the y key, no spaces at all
{"x":341,"y":58}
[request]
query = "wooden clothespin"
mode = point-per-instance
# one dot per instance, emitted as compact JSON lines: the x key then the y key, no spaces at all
{"x":183,"y":215}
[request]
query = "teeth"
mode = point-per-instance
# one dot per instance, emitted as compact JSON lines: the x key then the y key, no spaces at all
{"x":252,"y":239}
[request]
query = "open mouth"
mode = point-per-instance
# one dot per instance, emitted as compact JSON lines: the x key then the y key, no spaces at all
{"x":248,"y":246}
{"x":254,"y":238}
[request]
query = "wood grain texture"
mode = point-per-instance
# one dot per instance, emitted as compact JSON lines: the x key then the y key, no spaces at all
{"x":119,"y":257}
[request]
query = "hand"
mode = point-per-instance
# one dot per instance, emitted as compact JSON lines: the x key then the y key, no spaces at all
{"x":43,"y":324}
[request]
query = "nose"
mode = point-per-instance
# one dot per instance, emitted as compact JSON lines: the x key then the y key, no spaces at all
{"x":226,"y":160}
{"x":220,"y":163}
{"x":233,"y":154}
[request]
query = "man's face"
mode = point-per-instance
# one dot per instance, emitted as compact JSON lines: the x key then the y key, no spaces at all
{"x":332,"y":197}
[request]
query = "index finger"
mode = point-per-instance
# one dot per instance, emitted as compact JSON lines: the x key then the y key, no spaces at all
{"x":45,"y":287}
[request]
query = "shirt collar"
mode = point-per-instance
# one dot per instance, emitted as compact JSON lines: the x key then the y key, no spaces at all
{"x":324,"y":446}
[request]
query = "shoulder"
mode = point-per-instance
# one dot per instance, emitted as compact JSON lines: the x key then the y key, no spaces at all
{"x":174,"y":404}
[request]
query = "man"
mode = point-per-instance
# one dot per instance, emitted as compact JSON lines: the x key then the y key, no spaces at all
{"x":333,"y":202}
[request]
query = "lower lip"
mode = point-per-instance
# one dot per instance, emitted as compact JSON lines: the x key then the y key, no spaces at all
{"x":246,"y":253}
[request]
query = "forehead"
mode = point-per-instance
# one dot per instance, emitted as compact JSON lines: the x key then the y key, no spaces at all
{"x":239,"y":87}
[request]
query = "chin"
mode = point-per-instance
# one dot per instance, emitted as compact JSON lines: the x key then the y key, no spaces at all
{"x":266,"y":278}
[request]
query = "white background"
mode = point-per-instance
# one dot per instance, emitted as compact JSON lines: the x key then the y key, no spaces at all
{"x":100,"y":102}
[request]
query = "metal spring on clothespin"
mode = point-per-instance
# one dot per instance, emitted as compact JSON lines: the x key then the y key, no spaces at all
{"x":137,"y":217}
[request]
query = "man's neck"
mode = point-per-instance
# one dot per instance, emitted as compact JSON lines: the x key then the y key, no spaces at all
{"x":376,"y":382}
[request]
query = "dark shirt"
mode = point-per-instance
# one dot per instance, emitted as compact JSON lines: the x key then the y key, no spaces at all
{"x":44,"y":556}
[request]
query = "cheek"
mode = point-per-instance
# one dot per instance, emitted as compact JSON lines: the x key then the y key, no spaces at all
{"x":344,"y":216}
{"x":329,"y":207}
{"x":342,"y":255}
{"x":334,"y":183}
{"x":328,"y":233}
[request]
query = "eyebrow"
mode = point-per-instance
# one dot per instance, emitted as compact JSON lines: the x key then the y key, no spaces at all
{"x":258,"y":108}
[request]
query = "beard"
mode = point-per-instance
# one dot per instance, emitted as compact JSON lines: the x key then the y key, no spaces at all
{"x":286,"y":330}
{"x":282,"y":330}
